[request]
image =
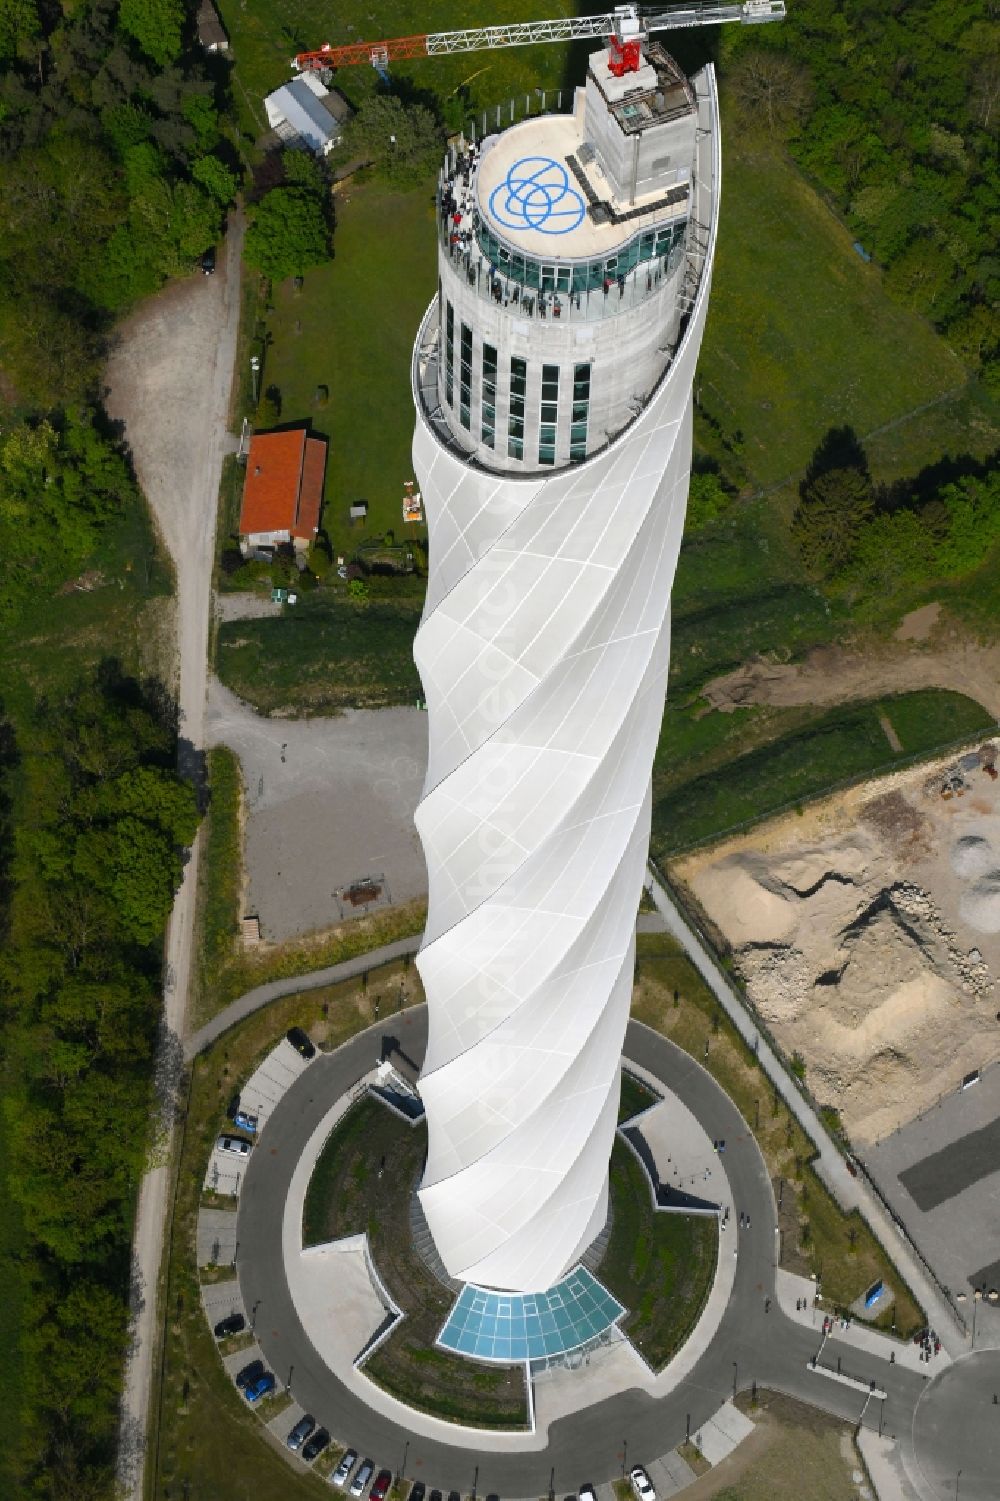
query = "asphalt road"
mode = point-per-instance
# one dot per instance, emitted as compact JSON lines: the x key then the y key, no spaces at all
{"x":750,"y":1345}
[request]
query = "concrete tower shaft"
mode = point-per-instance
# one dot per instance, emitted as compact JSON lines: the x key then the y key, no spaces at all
{"x":543,"y":651}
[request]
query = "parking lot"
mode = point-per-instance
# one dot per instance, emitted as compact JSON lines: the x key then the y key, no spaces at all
{"x":329,"y":801}
{"x":258,"y":1097}
{"x":940,"y":1176}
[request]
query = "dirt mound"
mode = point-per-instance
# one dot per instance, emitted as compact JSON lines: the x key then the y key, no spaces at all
{"x":864,"y":934}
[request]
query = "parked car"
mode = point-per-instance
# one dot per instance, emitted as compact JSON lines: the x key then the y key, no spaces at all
{"x":435,"y":1496}
{"x":207,"y":262}
{"x":260,"y":1387}
{"x":315,"y":1445}
{"x":246,"y":1122}
{"x":234,"y":1324}
{"x":238,"y":1145}
{"x":417,"y":1491}
{"x":340,"y":1474}
{"x":301,"y":1431}
{"x":300,"y":1042}
{"x":380,"y":1489}
{"x":365,"y":1472}
{"x":249,"y":1373}
{"x":586,"y":1492}
{"x":642,"y":1486}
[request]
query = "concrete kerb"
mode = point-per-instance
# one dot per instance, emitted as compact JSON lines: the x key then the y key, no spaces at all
{"x":850,"y":1193}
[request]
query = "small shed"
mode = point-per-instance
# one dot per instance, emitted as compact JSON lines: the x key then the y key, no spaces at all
{"x":359,"y":510}
{"x":211,"y":34}
{"x":304,"y":113}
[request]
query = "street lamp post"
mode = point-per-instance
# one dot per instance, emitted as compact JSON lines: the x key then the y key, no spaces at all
{"x":253,"y":1316}
{"x":255,"y":370}
{"x":735,"y":1374}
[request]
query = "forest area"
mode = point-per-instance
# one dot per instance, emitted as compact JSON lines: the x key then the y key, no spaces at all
{"x":120,"y":151}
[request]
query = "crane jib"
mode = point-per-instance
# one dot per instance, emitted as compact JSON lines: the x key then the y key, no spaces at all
{"x":627,"y":22}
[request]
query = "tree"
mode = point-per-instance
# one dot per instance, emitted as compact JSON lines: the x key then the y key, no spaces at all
{"x":157,"y":25}
{"x":707,"y":500}
{"x":834,"y":506}
{"x":404,"y":142}
{"x":287,"y":234}
{"x":218,"y":179}
{"x":771,"y":89}
{"x":20,"y":29}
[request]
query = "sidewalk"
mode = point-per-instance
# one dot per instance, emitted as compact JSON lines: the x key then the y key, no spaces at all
{"x":850,"y":1193}
{"x":792,"y":1288}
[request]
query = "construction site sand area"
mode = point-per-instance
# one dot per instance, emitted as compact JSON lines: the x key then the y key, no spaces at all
{"x":868,"y":932}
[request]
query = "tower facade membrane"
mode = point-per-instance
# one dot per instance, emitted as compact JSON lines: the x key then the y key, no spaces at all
{"x":552,"y":380}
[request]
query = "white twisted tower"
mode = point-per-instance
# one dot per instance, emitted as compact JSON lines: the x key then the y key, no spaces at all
{"x":552,"y":382}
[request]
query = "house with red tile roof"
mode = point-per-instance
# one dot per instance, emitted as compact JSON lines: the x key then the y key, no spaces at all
{"x":283,"y":490}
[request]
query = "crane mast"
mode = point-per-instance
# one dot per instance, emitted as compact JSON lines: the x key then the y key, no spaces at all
{"x":625,"y":29}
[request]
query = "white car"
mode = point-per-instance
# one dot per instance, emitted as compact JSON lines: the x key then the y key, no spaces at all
{"x":235,"y":1144}
{"x":642,"y":1486}
{"x":340,"y":1474}
{"x":586,"y":1493}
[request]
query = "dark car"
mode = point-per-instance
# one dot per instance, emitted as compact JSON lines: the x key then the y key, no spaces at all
{"x":249,"y":1373}
{"x":435,"y":1496}
{"x":234,"y":1324}
{"x":417,"y":1491}
{"x":300,"y":1042}
{"x":207,"y":262}
{"x":301,"y":1431}
{"x":316,"y":1444}
{"x":260,"y":1387}
{"x":380,"y":1489}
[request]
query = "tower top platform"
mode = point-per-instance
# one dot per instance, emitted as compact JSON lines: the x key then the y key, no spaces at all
{"x":570,"y":187}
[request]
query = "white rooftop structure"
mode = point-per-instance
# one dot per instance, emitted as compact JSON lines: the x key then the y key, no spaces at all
{"x":300,"y":115}
{"x":552,"y":380}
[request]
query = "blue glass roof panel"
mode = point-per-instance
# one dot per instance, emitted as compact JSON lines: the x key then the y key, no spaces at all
{"x":512,"y":1326}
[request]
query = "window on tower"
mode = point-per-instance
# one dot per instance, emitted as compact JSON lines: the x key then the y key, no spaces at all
{"x":515,"y":424}
{"x":465,"y":378}
{"x":489,"y":412}
{"x":549,"y":415}
{"x":581,"y":413}
{"x":449,"y":355}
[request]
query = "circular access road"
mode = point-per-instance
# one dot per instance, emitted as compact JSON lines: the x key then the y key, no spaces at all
{"x":749,"y":1344}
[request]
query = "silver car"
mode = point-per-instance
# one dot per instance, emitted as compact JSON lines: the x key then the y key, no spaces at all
{"x":361,"y":1479}
{"x":340,"y":1474}
{"x":234,"y":1144}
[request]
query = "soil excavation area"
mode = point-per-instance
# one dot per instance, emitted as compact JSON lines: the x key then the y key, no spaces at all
{"x":868,"y":932}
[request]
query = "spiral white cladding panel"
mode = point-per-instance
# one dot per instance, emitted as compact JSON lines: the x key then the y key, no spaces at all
{"x":543,"y":653}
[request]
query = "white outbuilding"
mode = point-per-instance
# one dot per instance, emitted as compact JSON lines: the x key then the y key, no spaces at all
{"x":303,"y":112}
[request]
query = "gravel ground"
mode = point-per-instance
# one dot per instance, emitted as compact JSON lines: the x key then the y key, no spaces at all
{"x":329,"y":800}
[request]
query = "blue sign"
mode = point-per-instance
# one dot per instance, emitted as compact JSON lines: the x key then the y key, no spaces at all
{"x":536,"y":194}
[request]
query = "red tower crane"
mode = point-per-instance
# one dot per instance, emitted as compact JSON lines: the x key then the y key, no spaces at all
{"x":625,"y":28}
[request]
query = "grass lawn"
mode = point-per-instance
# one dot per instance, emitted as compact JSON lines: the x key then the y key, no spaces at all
{"x":659,"y":1266}
{"x":825,"y":748}
{"x":219,"y":878}
{"x":816,"y":1236}
{"x":800,"y":336}
{"x":327,"y":654}
{"x":352,"y":329}
{"x":795,"y":1452}
{"x":247,"y":969}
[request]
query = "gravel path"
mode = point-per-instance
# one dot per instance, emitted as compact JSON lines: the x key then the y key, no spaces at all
{"x":170,"y":380}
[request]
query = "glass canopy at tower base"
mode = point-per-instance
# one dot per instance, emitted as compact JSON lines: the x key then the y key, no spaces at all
{"x":500,"y":1326}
